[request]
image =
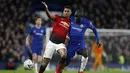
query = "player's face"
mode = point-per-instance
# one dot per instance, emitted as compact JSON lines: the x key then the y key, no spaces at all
{"x":38,"y":21}
{"x":78,"y":16}
{"x":66,"y":12}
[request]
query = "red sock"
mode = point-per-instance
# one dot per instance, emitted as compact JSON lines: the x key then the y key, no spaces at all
{"x":59,"y":68}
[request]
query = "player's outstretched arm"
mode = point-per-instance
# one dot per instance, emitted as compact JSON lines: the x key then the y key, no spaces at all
{"x":95,"y":32}
{"x":48,"y":12}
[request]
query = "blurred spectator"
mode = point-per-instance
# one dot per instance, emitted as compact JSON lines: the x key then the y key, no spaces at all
{"x":115,"y":47}
{"x":11,"y":64}
{"x":106,"y":13}
{"x":13,"y":16}
{"x":3,"y":55}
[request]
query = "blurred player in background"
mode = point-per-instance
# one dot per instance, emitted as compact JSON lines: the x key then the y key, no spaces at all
{"x":76,"y":41}
{"x":60,"y":30}
{"x":97,"y":53}
{"x":37,"y":34}
{"x":27,"y":53}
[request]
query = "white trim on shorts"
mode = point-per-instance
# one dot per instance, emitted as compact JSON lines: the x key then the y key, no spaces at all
{"x":51,"y":47}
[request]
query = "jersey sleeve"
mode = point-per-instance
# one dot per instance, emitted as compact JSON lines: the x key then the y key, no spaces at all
{"x":94,"y":30}
{"x":57,"y":16}
{"x":30,"y":32}
{"x":44,"y":31}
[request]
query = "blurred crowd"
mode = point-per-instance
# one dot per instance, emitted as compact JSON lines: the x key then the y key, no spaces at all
{"x":106,"y":13}
{"x":13,"y":15}
{"x":114,"y":46}
{"x":117,"y":46}
{"x":103,"y":13}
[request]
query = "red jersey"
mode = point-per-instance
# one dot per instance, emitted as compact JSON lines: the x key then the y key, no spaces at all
{"x":60,"y":29}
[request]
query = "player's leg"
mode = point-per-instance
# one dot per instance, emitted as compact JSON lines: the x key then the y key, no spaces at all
{"x":50,"y":48}
{"x":84,"y":59}
{"x":60,"y":69}
{"x":39,"y":60}
{"x":100,"y":63}
{"x":34,"y":58}
{"x":68,"y":59}
{"x":62,"y":64}
{"x":65,"y":61}
{"x":95,"y":63}
{"x":63,"y":53}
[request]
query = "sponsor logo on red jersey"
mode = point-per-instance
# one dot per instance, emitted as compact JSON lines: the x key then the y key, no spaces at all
{"x":64,"y":24}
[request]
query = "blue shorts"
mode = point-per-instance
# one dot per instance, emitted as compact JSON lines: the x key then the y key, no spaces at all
{"x":73,"y":49}
{"x":37,"y":50}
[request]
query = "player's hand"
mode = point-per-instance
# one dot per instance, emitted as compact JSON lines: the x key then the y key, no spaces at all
{"x":99,"y":44}
{"x":45,"y":4}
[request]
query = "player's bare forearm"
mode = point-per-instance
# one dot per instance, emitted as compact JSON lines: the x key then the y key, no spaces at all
{"x":66,"y":41}
{"x":44,"y":45}
{"x":48,"y":12}
{"x":28,"y":39}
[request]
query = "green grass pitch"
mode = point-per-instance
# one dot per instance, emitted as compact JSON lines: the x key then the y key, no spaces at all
{"x":21,"y":70}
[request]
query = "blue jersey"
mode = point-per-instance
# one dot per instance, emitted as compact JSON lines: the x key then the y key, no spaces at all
{"x":77,"y":42}
{"x":77,"y":30}
{"x":37,"y":37}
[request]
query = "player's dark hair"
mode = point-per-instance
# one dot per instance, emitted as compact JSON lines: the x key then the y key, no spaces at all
{"x":36,"y":17}
{"x":81,"y":11}
{"x":69,"y":7}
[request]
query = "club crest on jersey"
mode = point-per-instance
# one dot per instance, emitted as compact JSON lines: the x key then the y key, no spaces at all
{"x":72,"y":23}
{"x":41,"y":31}
{"x":64,"y":24}
{"x":34,"y":31}
{"x":81,"y":25}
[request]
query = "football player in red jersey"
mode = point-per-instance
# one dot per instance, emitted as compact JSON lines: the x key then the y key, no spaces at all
{"x":60,"y":30}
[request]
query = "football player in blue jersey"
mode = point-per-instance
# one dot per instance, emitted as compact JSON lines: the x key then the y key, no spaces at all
{"x":27,"y":53}
{"x":76,"y":41}
{"x":35,"y":41}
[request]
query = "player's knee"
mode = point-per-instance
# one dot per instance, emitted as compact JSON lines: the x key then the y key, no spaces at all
{"x":46,"y":61}
{"x":85,"y":55}
{"x":40,"y":59}
{"x":34,"y":58}
{"x":63,"y":53}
